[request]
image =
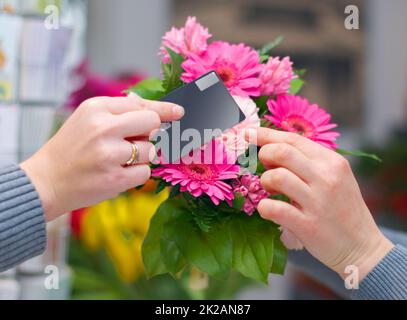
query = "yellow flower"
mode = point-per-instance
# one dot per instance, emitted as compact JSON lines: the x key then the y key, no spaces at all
{"x":119,"y":226}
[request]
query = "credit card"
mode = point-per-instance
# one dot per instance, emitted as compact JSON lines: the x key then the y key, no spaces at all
{"x":209,"y":110}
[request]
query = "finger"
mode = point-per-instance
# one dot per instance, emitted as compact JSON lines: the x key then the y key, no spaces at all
{"x":285,"y":155}
{"x":119,"y":105}
{"x":263,"y":136}
{"x":137,"y":123}
{"x":167,"y":111}
{"x":124,"y":152}
{"x":287,"y":183}
{"x":136,"y":176}
{"x":281,"y":213}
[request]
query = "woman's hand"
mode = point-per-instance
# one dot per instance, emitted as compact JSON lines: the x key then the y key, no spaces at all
{"x":327,"y":212}
{"x":83,"y":163}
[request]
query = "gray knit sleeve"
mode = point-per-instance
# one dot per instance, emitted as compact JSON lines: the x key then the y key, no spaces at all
{"x":388,"y":280}
{"x":22,"y":222}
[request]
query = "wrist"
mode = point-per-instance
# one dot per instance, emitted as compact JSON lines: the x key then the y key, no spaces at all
{"x":38,"y":171}
{"x":367,"y":257}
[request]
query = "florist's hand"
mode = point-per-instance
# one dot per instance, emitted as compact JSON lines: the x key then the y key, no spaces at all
{"x":83,"y":163}
{"x":327,"y":213}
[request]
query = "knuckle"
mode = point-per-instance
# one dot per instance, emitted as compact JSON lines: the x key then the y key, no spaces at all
{"x":142,"y":103}
{"x":117,"y":178}
{"x":278,"y":176}
{"x":333,"y":181}
{"x":293,"y":138}
{"x":103,"y":153}
{"x":266,"y":133}
{"x":309,"y":227}
{"x":338,"y":169}
{"x":95,"y":102}
{"x":282,"y":152}
{"x":154,"y":118}
{"x":97,"y":124}
{"x":342,"y":165}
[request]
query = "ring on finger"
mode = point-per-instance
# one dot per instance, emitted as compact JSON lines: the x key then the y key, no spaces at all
{"x":135,"y":155}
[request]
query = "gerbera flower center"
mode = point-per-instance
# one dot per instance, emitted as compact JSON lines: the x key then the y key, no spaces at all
{"x":298,"y":125}
{"x":227,"y":74}
{"x":198,"y":171}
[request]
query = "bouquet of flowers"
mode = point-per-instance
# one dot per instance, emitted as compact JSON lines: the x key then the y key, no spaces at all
{"x":209,"y":222}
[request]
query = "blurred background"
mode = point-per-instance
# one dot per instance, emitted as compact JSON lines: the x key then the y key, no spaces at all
{"x":90,"y":48}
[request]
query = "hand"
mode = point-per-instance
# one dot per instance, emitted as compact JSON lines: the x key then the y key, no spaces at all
{"x":83,"y":163}
{"x":327,"y":213}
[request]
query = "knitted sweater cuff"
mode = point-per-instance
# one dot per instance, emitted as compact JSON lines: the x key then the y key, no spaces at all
{"x":388,"y":280}
{"x":22,"y":221}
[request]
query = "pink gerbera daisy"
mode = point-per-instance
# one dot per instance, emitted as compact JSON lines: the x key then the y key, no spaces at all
{"x":237,"y":65}
{"x":190,"y":39}
{"x":295,"y":114}
{"x":201,"y":176}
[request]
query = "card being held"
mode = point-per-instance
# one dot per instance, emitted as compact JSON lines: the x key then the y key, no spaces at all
{"x":209,"y":110}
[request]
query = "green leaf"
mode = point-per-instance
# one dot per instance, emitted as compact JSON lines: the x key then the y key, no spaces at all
{"x":170,"y":253}
{"x":264,"y":58}
{"x":296,"y":85}
{"x":281,"y":197}
{"x":300,"y":72}
{"x":249,"y":245}
{"x":253,"y":240}
{"x":161,"y":186}
{"x":151,"y":89}
{"x":279,"y":256}
{"x":266,"y":50}
{"x":261,"y":103}
{"x":238,"y":201}
{"x":360,"y":154}
{"x":203,"y":212}
{"x":203,"y":221}
{"x":151,"y":250}
{"x":260,"y":168}
{"x":172,"y":71}
{"x":211,"y":252}
{"x":88,"y":280}
{"x":265,"y":123}
{"x":174,"y":191}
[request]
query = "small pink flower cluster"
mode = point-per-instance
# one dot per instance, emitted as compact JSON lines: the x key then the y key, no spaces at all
{"x":276,"y":76}
{"x":190,"y":39}
{"x":249,"y":186}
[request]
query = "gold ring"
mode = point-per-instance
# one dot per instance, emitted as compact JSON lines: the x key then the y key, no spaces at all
{"x":134,"y":154}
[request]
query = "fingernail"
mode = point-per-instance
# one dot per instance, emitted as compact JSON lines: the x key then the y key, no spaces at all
{"x":178,"y":111}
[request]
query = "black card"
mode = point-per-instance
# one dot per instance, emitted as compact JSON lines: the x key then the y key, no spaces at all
{"x":209,"y":107}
